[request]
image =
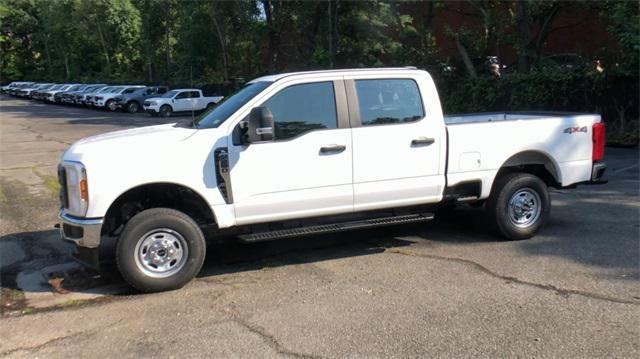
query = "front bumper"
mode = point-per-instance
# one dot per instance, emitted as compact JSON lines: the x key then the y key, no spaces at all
{"x":152,"y":109}
{"x":84,"y":232}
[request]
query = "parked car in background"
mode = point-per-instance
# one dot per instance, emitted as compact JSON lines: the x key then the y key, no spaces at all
{"x":11,"y":90}
{"x":133,"y":102}
{"x":57,"y":97}
{"x":87,"y":98}
{"x":26,"y":91}
{"x":180,"y":100}
{"x":69,"y":97}
{"x":41,"y":94}
{"x":50,"y":96}
{"x":107,"y":101}
{"x":11,"y":86}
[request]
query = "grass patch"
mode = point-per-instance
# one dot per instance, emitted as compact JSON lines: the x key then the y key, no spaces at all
{"x":3,"y":196}
{"x":51,"y":182}
{"x":11,"y":300}
{"x":71,"y":303}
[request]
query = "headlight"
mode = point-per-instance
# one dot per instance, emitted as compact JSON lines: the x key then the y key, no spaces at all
{"x":75,"y":187}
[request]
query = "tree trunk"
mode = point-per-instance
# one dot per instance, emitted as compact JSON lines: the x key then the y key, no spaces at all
{"x":544,"y":29}
{"x":223,"y":48}
{"x":333,"y":32}
{"x":66,"y":65}
{"x":104,"y":46}
{"x":524,"y":36}
{"x":465,"y":57}
{"x":274,"y":35}
{"x":167,"y":47}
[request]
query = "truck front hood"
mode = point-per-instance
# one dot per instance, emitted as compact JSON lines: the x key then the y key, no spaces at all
{"x":128,"y":145}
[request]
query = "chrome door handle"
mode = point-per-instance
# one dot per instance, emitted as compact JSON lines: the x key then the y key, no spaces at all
{"x":425,"y":141}
{"x":332,"y":148}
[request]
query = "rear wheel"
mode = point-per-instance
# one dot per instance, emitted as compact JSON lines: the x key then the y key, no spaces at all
{"x":160,"y":249}
{"x":519,"y":205}
{"x":166,"y":111}
{"x":133,"y":107}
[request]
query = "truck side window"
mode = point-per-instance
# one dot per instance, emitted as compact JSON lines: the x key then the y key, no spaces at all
{"x":303,"y":108}
{"x":182,"y":95}
{"x":389,"y":101}
{"x":195,"y":94}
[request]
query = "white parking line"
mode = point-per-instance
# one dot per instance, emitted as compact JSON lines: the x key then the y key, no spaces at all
{"x":625,"y":169}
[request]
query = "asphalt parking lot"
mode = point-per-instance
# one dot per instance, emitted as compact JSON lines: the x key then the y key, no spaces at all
{"x":447,"y":288}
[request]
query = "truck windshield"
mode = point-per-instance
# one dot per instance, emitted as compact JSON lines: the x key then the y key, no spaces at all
{"x":170,"y":94}
{"x":229,"y":105}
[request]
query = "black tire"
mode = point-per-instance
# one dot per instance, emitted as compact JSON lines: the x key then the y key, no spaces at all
{"x":142,"y":226}
{"x":133,"y":107}
{"x":523,"y":187}
{"x":109,"y":105}
{"x":210,"y":106}
{"x":166,"y":111}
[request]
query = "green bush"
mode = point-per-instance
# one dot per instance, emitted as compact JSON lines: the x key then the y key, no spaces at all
{"x":614,"y":96}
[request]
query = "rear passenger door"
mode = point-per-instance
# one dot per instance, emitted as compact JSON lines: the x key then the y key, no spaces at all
{"x":396,"y":147}
{"x":196,"y":100}
{"x":306,"y":170}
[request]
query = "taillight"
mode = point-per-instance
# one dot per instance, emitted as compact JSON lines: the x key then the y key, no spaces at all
{"x":598,"y":142}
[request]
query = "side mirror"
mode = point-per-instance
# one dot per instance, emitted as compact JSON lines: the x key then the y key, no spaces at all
{"x":260,"y":126}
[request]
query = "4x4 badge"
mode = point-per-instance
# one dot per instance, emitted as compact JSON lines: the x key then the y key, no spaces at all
{"x":571,"y":130}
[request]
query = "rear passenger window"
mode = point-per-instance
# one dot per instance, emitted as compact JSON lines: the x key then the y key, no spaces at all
{"x":195,"y":94}
{"x":389,"y":101}
{"x":303,"y":108}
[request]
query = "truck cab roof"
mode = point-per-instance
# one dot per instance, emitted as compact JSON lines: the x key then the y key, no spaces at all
{"x":276,"y":77}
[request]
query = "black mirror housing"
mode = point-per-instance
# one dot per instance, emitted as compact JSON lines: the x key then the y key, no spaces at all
{"x":260,"y":127}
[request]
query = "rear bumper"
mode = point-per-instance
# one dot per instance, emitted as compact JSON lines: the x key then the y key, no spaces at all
{"x":84,"y":232}
{"x":597,"y":172}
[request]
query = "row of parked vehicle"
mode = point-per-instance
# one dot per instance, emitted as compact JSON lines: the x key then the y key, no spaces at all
{"x":155,"y":100}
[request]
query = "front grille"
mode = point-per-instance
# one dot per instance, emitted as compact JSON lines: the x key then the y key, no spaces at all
{"x":62,"y":179}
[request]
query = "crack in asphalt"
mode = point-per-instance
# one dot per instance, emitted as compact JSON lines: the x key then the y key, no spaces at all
{"x":40,"y":346}
{"x":485,"y":270}
{"x":270,"y":339}
{"x":83,"y":333}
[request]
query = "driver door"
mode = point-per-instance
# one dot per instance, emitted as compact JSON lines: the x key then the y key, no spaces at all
{"x":306,"y":169}
{"x":182,"y":102}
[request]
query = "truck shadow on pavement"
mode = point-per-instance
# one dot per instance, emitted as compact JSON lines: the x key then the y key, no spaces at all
{"x":37,"y":270}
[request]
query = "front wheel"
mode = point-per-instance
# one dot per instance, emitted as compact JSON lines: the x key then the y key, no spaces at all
{"x":111,"y":105}
{"x":166,"y":111}
{"x":160,"y":249}
{"x":519,"y":205}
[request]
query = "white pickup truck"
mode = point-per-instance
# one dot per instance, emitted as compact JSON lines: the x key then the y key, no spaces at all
{"x":179,"y":100}
{"x":313,"y":152}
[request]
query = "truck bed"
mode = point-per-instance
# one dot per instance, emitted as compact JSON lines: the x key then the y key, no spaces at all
{"x":455,"y":119}
{"x":481,"y":143}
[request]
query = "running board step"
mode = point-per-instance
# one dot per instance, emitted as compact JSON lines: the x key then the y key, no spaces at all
{"x":336,"y":227}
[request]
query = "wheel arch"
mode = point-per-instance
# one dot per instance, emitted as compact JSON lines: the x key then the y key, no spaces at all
{"x":536,"y":162}
{"x":153,"y":195}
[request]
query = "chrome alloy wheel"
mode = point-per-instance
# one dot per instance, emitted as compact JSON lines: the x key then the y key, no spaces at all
{"x":161,"y":253}
{"x":525,"y":207}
